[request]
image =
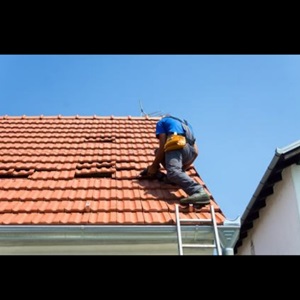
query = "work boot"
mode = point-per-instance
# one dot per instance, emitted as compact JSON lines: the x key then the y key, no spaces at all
{"x":200,"y":197}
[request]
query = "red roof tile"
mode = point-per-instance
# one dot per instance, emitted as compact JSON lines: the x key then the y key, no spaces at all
{"x":83,"y":170}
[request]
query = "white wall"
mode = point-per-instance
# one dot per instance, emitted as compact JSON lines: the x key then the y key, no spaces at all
{"x":277,"y":230}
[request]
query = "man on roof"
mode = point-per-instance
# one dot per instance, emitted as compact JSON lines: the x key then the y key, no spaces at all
{"x":177,"y":151}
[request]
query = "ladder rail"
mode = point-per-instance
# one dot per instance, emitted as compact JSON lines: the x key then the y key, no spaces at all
{"x":179,"y":238}
{"x":211,"y":221}
{"x":217,"y":239}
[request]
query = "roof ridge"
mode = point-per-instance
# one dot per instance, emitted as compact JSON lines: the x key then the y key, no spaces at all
{"x":111,"y":117}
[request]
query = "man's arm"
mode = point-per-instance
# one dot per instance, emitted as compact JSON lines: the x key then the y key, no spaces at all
{"x":159,"y":155}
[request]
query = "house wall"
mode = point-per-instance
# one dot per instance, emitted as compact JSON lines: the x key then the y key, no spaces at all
{"x":98,"y":249}
{"x":144,"y":249}
{"x":276,"y":231}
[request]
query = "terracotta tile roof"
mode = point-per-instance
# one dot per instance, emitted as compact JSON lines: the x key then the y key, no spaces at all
{"x":72,"y":170}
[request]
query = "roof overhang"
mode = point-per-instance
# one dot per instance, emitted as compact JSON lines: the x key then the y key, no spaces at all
{"x":283,"y":158}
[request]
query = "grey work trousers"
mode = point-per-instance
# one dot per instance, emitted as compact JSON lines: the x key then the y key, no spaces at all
{"x":174,"y":162}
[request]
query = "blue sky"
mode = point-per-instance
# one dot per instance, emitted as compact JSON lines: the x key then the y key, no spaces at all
{"x":242,"y":107}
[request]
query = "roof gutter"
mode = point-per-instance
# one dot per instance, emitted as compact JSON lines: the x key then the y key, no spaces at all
{"x":60,"y":234}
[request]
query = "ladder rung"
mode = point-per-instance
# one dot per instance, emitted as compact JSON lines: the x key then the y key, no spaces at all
{"x":211,"y":221}
{"x":196,"y":220}
{"x":198,"y":246}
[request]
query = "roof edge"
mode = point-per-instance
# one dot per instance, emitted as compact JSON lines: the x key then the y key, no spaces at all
{"x":112,"y":117}
{"x":279,"y":153}
{"x":288,"y":148}
{"x":260,"y":185}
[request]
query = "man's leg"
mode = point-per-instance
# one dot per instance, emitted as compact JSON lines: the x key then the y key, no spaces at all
{"x":175,"y":173}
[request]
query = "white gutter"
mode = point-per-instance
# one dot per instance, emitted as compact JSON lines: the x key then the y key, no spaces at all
{"x":20,"y":234}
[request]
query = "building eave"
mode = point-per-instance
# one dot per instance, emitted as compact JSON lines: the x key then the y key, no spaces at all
{"x":283,"y":158}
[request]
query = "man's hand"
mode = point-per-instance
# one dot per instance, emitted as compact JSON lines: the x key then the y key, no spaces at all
{"x":159,"y":156}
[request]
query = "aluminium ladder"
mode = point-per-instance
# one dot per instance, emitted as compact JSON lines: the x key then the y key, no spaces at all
{"x":211,"y":221}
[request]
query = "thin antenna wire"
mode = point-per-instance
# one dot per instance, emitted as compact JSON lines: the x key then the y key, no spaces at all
{"x":142,"y":110}
{"x":153,"y":114}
